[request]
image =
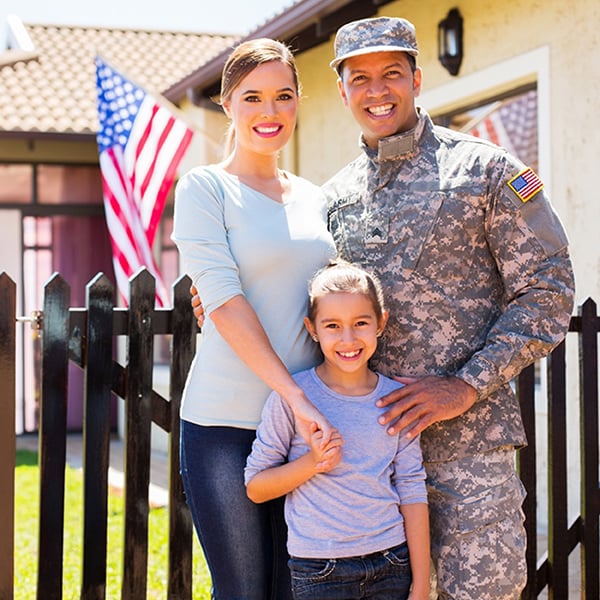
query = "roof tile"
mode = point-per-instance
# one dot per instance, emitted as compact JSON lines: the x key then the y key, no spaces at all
{"x":56,"y":92}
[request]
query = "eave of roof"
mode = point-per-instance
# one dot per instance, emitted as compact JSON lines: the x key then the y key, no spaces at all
{"x":305,"y":24}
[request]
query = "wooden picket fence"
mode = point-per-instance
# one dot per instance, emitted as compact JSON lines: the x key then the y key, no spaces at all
{"x":85,"y":336}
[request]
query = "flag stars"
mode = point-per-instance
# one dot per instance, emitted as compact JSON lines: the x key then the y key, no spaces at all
{"x":118,"y":104}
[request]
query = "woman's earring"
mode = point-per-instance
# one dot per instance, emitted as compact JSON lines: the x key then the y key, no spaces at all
{"x":315,"y":338}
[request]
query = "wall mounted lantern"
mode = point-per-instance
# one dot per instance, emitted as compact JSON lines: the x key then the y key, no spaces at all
{"x":450,"y":41}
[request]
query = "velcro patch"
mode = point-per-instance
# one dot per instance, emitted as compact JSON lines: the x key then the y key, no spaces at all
{"x":526,"y":184}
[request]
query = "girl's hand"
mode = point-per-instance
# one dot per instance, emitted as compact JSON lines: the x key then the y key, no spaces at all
{"x":326,"y":455}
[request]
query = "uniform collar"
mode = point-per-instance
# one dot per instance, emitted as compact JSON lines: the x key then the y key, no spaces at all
{"x":401,"y":145}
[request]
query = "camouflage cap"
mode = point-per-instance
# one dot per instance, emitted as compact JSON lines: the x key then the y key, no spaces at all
{"x":380,"y":34}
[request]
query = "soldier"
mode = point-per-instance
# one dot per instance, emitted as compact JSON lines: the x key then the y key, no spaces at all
{"x":475,"y":266}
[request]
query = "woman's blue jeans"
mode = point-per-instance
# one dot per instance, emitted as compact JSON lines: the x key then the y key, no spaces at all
{"x":244,"y":543}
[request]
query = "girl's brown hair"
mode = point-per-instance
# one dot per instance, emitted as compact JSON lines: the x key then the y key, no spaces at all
{"x":344,"y":277}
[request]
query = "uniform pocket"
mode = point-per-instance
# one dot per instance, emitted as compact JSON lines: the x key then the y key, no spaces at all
{"x":345,"y":220}
{"x":494,"y":505}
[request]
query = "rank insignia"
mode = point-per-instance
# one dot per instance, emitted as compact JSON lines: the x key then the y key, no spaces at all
{"x":526,"y":184}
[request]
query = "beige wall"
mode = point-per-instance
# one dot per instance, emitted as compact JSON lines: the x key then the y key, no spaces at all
{"x":496,"y":34}
{"x":48,"y":150}
{"x":207,"y":144}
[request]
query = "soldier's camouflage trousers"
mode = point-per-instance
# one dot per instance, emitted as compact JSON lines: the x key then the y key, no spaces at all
{"x":477,"y":533}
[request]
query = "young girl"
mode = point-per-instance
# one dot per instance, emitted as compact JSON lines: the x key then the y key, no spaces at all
{"x":250,"y":235}
{"x":356,"y":506}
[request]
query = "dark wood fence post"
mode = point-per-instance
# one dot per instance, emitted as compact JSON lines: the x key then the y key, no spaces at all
{"x":52,"y":437}
{"x":8,"y":315}
{"x":588,"y":414}
{"x":138,"y":420}
{"x":528,"y":473}
{"x":98,"y":361}
{"x":183,"y":346}
{"x":558,"y":551}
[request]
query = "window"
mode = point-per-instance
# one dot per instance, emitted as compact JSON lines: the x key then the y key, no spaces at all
{"x":16,"y":184}
{"x":63,"y":229}
{"x":525,"y":72}
{"x":509,"y":121}
{"x":66,"y":184}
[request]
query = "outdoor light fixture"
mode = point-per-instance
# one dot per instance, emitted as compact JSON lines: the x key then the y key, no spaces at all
{"x":450,"y":41}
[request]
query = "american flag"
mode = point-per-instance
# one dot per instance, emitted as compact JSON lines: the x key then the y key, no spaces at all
{"x":492,"y":128}
{"x":511,"y":123}
{"x":526,"y":184}
{"x":140,"y":143}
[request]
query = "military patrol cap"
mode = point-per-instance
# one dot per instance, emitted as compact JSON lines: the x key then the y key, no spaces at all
{"x":380,"y":34}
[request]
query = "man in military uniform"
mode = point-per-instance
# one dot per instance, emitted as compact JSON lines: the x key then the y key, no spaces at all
{"x":478,"y":283}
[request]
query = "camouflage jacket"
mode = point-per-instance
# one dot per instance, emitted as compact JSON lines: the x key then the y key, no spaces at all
{"x":478,"y":282}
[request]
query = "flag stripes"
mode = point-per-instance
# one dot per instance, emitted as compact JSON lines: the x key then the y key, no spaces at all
{"x":141,"y":144}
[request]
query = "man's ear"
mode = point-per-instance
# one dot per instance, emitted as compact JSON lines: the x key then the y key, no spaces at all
{"x":342,"y":91}
{"x":417,"y":81}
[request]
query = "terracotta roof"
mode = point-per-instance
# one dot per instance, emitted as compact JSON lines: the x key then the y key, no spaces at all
{"x":52,"y":87}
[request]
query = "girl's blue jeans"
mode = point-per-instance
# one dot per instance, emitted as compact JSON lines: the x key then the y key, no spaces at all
{"x":244,"y":543}
{"x":383,"y":575}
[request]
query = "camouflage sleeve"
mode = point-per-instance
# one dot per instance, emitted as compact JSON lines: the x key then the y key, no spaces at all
{"x":529,"y":245}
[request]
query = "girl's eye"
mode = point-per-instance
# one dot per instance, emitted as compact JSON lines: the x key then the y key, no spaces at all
{"x":285,"y":97}
{"x":251,"y":99}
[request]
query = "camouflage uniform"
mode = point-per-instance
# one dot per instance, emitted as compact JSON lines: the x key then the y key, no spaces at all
{"x":479,"y":284}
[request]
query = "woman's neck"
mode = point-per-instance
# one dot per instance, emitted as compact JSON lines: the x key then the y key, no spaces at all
{"x":261,"y":174}
{"x":259,"y":167}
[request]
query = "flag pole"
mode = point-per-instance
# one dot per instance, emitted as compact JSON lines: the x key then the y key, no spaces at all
{"x":475,"y":121}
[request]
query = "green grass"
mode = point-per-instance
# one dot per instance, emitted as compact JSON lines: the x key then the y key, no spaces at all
{"x":26,"y":542}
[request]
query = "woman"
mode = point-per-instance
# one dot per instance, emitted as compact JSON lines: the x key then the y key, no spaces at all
{"x":250,"y":235}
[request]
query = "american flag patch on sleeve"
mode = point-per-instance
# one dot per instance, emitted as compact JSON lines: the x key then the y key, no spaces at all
{"x":526,"y":184}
